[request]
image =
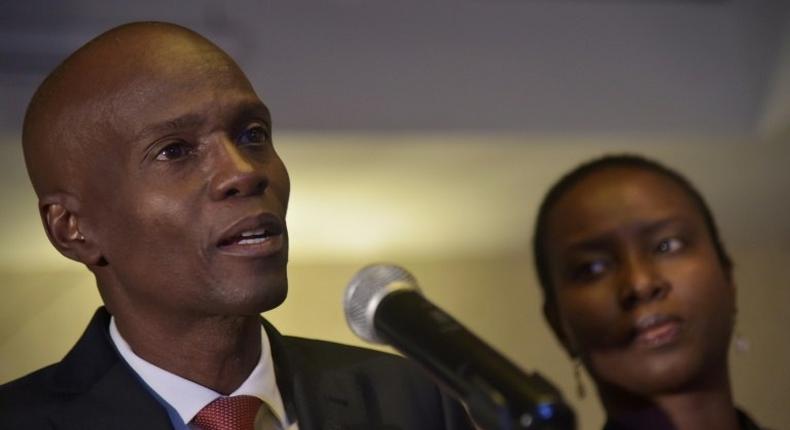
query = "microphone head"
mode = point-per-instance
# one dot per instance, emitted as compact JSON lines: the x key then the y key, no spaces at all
{"x":366,"y":290}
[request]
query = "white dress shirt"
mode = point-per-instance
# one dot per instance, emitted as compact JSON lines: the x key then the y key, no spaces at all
{"x":188,"y":398}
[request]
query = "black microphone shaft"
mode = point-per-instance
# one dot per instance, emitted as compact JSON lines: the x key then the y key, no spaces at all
{"x":498,"y":394}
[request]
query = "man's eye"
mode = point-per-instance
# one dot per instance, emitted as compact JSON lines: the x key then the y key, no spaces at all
{"x":174,"y":151}
{"x":254,"y":135}
{"x":668,"y":245}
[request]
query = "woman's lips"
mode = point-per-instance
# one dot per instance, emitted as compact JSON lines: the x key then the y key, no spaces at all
{"x":655,"y":331}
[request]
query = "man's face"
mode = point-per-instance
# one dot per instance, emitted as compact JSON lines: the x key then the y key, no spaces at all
{"x":188,"y":197}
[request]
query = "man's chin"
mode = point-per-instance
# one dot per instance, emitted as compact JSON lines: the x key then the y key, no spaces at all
{"x":262,"y":300}
{"x":273,"y":300}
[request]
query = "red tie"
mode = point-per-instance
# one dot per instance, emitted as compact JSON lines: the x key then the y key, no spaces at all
{"x":229,"y":413}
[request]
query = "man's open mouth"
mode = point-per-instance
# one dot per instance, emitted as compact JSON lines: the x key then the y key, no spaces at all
{"x":259,"y":234}
{"x":249,"y":237}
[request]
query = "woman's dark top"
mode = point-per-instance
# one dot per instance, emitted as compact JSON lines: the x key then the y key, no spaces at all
{"x":745,"y":423}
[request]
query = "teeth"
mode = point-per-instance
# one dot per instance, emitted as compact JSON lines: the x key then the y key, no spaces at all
{"x":252,"y":241}
{"x":258,"y":232}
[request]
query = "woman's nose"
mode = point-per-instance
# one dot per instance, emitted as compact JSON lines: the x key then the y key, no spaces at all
{"x":641,"y":282}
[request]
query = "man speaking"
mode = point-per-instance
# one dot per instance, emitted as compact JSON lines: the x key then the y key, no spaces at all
{"x":152,"y":159}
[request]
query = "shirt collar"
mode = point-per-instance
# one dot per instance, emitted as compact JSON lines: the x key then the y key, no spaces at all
{"x":188,"y":397}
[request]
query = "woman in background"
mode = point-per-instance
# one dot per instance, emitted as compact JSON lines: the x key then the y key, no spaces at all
{"x":638,"y":287}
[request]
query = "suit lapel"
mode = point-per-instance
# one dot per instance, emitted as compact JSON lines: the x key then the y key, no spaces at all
{"x":116,"y":401}
{"x":103,"y":391}
{"x":282,"y":368}
{"x":318,"y":395}
{"x":319,"y":400}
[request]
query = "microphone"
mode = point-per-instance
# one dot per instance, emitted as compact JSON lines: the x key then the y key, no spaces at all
{"x":383,"y":304}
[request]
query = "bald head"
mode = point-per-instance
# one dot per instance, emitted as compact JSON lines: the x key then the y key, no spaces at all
{"x":92,"y":123}
{"x":74,"y":111}
{"x":153,"y":161}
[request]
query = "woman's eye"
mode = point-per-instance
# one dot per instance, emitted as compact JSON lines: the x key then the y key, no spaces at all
{"x":589,"y":270}
{"x":174,"y":151}
{"x":668,"y":245}
{"x":254,"y":135}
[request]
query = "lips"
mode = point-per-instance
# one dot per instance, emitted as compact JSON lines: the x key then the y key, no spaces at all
{"x":248,"y":237}
{"x":657,"y":330}
{"x":259,"y":235}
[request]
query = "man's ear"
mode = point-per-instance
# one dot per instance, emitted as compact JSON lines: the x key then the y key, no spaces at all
{"x":60,"y":215}
{"x":552,"y":315}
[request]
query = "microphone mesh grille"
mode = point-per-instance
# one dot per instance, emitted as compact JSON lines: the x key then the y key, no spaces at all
{"x":365,"y":291}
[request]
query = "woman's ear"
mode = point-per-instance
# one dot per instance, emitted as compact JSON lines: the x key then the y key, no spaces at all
{"x":60,"y":214}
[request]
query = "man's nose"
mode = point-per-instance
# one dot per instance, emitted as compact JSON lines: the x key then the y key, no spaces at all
{"x":234,"y":173}
{"x":641,"y":281}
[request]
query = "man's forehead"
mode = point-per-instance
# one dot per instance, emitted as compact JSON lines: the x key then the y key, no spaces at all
{"x":120,"y":66}
{"x":144,"y":38}
{"x":122,"y":80}
{"x":147,"y":61}
{"x":126,"y":68}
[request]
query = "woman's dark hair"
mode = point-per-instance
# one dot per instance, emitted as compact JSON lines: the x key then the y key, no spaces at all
{"x":612,"y":161}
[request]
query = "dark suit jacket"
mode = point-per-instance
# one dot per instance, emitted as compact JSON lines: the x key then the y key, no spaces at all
{"x":324,"y":385}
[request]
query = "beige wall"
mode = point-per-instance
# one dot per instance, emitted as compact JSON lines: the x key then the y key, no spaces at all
{"x":495,"y":297}
{"x":460,"y":200}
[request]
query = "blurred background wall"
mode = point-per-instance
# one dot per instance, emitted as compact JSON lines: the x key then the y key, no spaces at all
{"x":425,"y":133}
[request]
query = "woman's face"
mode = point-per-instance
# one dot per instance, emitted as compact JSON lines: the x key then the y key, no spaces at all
{"x":641,"y":295}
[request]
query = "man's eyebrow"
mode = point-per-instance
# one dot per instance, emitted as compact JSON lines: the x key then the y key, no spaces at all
{"x":191,"y":120}
{"x":179,"y":123}
{"x":255,"y":109}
